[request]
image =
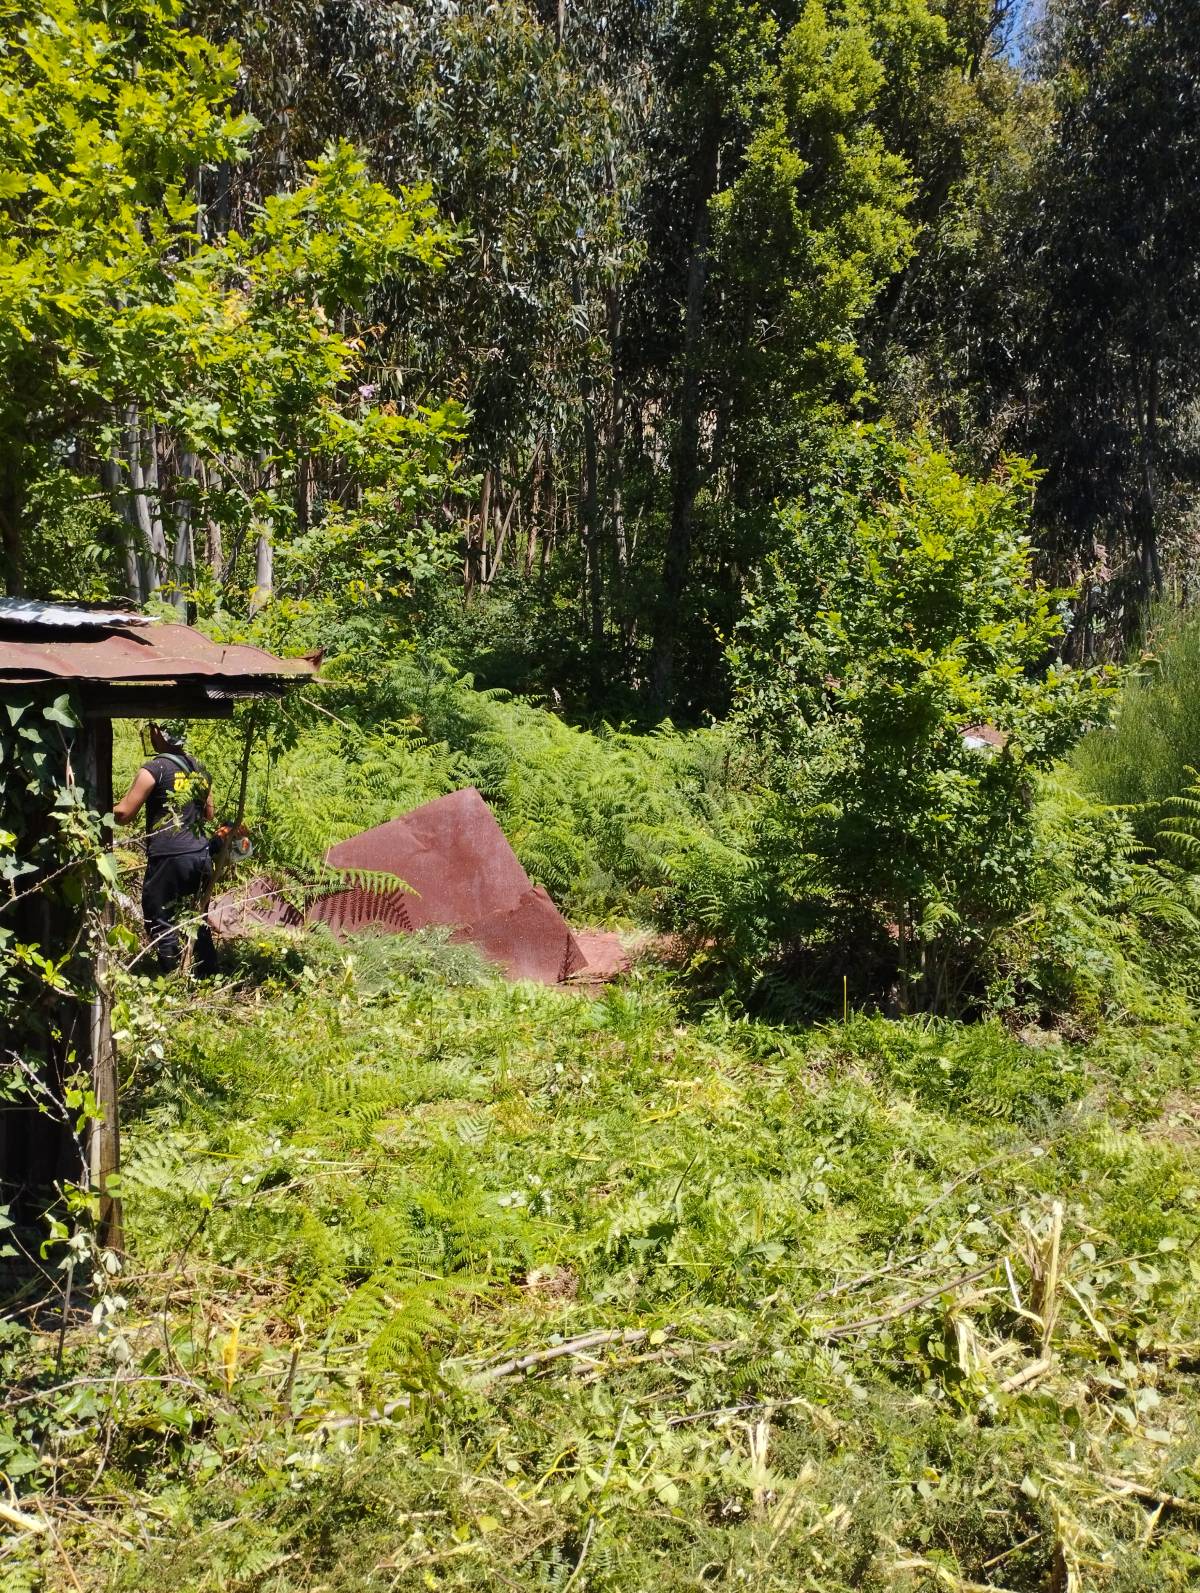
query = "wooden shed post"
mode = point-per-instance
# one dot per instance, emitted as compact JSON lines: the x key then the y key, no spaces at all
{"x":104,"y":1135}
{"x":104,"y":1131}
{"x":115,"y":664}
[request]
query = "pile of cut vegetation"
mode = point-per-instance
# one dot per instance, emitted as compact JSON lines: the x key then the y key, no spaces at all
{"x":439,"y":1281}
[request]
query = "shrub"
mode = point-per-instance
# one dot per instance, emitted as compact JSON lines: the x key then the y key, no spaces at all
{"x":898,"y":610}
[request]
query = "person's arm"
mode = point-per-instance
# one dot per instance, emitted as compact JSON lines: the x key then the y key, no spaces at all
{"x":209,"y":810}
{"x":130,"y":805}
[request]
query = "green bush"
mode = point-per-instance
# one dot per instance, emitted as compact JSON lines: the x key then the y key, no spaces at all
{"x":899,"y":611}
{"x":1107,"y":928}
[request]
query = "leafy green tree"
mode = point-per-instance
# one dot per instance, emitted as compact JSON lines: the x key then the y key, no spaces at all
{"x":972,"y":124}
{"x":774,"y":215}
{"x":207,"y":382}
{"x":892,"y":668}
{"x":522,"y":122}
{"x":675,"y":218}
{"x":1053,"y":307}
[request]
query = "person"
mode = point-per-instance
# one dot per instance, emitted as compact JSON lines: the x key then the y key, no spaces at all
{"x":178,"y":861}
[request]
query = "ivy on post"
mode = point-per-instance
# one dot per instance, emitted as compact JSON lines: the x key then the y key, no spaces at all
{"x":51,"y":857}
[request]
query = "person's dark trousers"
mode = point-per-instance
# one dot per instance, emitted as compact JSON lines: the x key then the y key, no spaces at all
{"x":175,"y":885}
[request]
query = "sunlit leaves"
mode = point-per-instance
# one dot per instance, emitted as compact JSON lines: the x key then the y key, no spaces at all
{"x":899,"y":612}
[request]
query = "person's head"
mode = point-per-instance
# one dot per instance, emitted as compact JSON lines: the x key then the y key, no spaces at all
{"x":163,"y":739}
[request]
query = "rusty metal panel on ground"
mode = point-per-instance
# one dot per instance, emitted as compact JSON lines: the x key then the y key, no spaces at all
{"x":257,"y":904}
{"x":350,"y":909}
{"x":463,"y":874}
{"x":528,"y":937}
{"x":458,"y":872}
{"x":604,"y":955}
{"x":451,"y":852}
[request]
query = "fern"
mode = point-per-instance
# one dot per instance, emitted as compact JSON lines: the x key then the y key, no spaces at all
{"x":1179,"y":836}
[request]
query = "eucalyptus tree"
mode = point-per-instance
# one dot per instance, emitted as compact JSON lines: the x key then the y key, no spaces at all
{"x":1054,"y":304}
{"x":192,"y":380}
{"x":673,"y":219}
{"x":774,"y":213}
{"x":972,"y":123}
{"x":521,"y":118}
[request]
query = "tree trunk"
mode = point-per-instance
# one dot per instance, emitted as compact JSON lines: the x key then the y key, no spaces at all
{"x":477,"y":539}
{"x":616,"y":476}
{"x":214,"y":554}
{"x":12,"y":508}
{"x":264,"y":571}
{"x":304,"y":493}
{"x":104,"y":1131}
{"x":497,"y":553}
{"x":264,"y":546}
{"x":111,"y":476}
{"x":535,"y":498}
{"x":685,"y":466}
{"x":551,"y":536}
{"x":1148,"y":498}
{"x":183,"y":564}
{"x":589,"y":510}
{"x":902,"y":951}
{"x":148,"y":520}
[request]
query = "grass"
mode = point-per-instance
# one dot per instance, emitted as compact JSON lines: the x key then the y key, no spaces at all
{"x":879,"y":1305}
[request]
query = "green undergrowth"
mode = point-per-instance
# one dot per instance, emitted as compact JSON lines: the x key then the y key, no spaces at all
{"x":603,"y":819}
{"x":436,"y":1281}
{"x":1150,"y":752}
{"x":674,"y":831}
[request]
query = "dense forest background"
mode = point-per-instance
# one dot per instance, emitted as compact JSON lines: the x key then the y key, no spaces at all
{"x":655,"y":258}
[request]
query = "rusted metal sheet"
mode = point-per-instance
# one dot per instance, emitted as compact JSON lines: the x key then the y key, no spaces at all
{"x":257,"y":904}
{"x":451,"y":852}
{"x":528,"y":937}
{"x":604,"y":955}
{"x":463,"y":874}
{"x":458,"y":871}
{"x":154,"y":654}
{"x":983,"y":738}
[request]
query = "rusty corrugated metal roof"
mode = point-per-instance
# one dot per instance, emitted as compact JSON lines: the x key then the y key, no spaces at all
{"x":158,"y":654}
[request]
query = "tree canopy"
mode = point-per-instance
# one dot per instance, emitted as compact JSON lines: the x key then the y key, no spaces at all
{"x":208,"y":382}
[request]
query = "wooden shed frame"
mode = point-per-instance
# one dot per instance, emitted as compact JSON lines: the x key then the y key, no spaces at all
{"x":118,"y":664}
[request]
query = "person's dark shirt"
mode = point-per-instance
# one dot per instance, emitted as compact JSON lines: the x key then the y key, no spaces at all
{"x":174,"y":826}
